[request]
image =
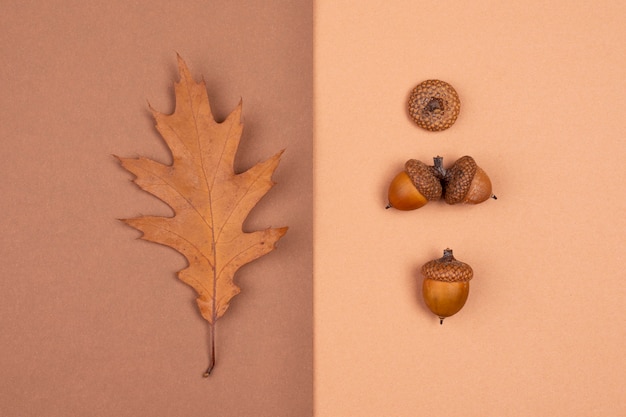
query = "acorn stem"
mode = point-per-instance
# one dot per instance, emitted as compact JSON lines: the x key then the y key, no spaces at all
{"x":441,"y":321}
{"x":439,"y":166}
{"x":494,"y":196}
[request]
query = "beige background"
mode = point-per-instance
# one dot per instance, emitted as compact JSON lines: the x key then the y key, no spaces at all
{"x":543,"y":89}
{"x":93,"y":321}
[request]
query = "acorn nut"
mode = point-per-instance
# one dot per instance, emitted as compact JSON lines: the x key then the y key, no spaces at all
{"x":446,"y":285}
{"x":434,"y":105}
{"x":465,"y":182}
{"x":414,"y":187}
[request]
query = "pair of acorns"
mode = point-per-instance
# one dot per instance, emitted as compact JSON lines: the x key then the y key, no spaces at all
{"x":464,"y":182}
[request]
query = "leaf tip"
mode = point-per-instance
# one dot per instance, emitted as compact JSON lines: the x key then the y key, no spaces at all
{"x":155,"y":115}
{"x":125,"y":221}
{"x":183,"y":70}
{"x":279,"y":232}
{"x":236,"y":113}
{"x":180,"y":59}
{"x":133,"y":223}
{"x":128,"y":222}
{"x":282,"y":231}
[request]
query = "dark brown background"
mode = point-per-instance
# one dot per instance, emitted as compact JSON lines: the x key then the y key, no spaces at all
{"x":94,"y":321}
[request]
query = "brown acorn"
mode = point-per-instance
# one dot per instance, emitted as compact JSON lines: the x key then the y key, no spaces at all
{"x":434,"y":105}
{"x":446,"y":285}
{"x":414,"y":187}
{"x":465,"y":182}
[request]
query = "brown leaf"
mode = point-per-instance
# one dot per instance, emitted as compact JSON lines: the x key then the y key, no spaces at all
{"x":209,"y":199}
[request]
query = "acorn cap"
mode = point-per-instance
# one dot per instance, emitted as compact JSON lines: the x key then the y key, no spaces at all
{"x":459,"y":178}
{"x":447,"y":269}
{"x":423,"y":178}
{"x":434,"y":105}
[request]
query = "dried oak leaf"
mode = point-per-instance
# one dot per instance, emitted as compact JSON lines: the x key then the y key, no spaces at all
{"x":209,"y":199}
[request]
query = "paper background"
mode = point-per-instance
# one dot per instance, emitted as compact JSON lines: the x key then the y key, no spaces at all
{"x":93,"y":321}
{"x":543,"y":88}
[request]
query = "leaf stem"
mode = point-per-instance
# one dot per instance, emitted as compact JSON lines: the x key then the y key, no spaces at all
{"x":211,"y":350}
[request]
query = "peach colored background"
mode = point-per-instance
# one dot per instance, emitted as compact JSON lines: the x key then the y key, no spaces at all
{"x":543,"y":89}
{"x":93,"y":321}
